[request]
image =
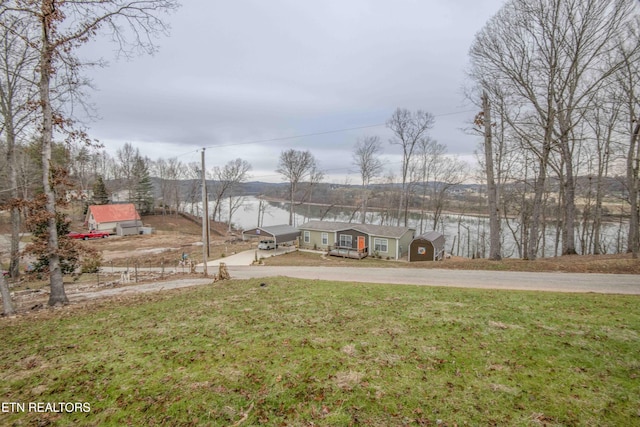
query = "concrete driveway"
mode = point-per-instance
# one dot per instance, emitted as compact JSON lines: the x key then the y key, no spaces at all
{"x":247,"y":257}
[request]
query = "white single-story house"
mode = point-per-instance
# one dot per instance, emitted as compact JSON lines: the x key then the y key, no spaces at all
{"x":107,"y":217}
{"x":382,"y":240}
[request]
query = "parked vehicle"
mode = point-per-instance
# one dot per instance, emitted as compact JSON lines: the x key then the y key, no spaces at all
{"x":93,"y":234}
{"x":267,"y":244}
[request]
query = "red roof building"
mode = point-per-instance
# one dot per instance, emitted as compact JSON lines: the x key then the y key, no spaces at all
{"x":107,"y":217}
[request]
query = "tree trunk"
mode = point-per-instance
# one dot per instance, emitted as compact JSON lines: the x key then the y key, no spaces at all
{"x":9,"y":131}
{"x":365,"y":202}
{"x":633,"y":166}
{"x":7,"y":306}
{"x":14,"y":263}
{"x":568,"y":236}
{"x":292,"y":190}
{"x":492,"y":188}
{"x":57,"y":295}
{"x":537,"y":207}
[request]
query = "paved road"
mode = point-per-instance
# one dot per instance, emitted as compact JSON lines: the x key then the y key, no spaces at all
{"x":551,"y":282}
{"x":561,"y":282}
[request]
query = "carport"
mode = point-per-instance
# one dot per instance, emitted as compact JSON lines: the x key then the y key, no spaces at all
{"x":281,"y":234}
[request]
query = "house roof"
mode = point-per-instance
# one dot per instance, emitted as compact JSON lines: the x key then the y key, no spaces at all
{"x":373,"y":230}
{"x":281,"y":233}
{"x":114,"y":213}
{"x":437,"y":239}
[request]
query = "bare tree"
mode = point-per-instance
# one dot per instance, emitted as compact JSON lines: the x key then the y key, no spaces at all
{"x":408,"y":129}
{"x":227,"y":179}
{"x":126,"y":158}
{"x":627,"y":81}
{"x":169,"y":172}
{"x":104,"y":165}
{"x":448,"y":172}
{"x":63,"y":27}
{"x":193,"y":174}
{"x":17,"y":92}
{"x":80,"y":166}
{"x":159,"y":169}
{"x":235,"y":203}
{"x":548,"y":58}
{"x":296,"y":167}
{"x":176,"y":171}
{"x":366,"y":158}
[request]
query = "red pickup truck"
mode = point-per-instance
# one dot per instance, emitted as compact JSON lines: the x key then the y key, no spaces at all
{"x":93,"y":234}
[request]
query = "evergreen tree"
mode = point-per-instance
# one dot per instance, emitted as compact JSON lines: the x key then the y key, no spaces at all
{"x":143,"y":190}
{"x":100,"y":194}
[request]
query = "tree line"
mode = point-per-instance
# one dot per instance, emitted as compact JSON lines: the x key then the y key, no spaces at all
{"x":42,"y":84}
{"x":556,"y":82}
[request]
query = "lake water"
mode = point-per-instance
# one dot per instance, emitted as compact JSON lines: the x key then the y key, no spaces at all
{"x":465,"y":235}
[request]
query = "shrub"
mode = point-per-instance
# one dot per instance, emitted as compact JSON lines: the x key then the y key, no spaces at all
{"x":91,"y":263}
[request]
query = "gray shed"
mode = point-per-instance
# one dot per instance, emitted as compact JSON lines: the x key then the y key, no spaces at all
{"x":128,"y":228}
{"x":427,"y":247}
{"x":279,"y":233}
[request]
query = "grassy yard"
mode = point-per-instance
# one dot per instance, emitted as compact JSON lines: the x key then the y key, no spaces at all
{"x":318,"y":353}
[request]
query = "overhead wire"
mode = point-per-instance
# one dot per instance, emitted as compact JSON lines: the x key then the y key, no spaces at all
{"x":284,"y":138}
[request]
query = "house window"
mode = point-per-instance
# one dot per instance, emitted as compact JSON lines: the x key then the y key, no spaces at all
{"x":307,"y":236}
{"x":346,"y":240}
{"x":380,"y":245}
{"x":325,"y":239}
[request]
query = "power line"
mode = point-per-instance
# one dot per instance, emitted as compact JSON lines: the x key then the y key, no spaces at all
{"x":327,"y":132}
{"x":295,"y":136}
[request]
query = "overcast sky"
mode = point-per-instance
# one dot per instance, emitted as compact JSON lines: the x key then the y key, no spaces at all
{"x":238,"y":77}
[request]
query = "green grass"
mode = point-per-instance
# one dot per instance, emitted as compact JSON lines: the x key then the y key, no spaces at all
{"x":329,"y":354}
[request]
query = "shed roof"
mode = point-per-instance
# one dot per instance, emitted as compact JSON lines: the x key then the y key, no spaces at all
{"x":114,"y":213}
{"x":281,"y":233}
{"x":130,"y":224}
{"x":436,"y":238}
{"x":370,"y":229}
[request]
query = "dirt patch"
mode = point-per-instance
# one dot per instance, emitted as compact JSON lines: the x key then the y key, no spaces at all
{"x":173,"y":237}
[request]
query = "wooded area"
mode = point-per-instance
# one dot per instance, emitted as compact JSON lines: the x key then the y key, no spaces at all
{"x":561,"y":79}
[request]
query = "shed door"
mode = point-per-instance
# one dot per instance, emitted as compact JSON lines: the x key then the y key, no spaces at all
{"x":360,"y":243}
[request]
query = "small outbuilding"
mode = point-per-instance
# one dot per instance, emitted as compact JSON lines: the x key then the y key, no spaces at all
{"x":427,"y":247}
{"x":128,"y":228}
{"x":280,"y":234}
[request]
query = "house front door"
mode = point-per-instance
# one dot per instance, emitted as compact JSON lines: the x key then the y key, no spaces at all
{"x":360,"y":243}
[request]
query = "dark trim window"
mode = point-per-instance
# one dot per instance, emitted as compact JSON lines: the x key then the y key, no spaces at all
{"x":346,"y":240}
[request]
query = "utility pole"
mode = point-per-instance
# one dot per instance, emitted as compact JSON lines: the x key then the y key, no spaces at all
{"x":205,"y":219}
